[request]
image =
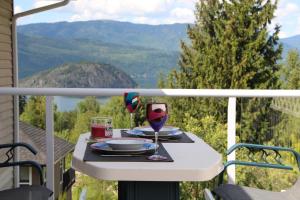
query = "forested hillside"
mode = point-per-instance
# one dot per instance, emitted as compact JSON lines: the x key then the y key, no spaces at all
{"x":141,"y":63}
{"x":163,"y":37}
{"x":81,"y":75}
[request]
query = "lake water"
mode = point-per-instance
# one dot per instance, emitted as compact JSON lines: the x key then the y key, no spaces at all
{"x":65,"y":104}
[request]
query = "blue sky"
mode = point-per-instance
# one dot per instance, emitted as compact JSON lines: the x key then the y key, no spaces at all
{"x":145,"y":11}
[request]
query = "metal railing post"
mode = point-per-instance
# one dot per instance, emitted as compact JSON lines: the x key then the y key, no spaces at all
{"x":231,"y":136}
{"x":50,"y":143}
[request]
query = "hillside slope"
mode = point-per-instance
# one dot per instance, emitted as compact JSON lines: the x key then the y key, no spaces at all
{"x":165,"y":37}
{"x":143,"y":64}
{"x":82,"y":75}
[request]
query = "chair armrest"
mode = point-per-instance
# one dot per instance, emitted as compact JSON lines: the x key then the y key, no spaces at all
{"x":10,"y":153}
{"x":20,"y":144}
{"x":257,"y":164}
{"x":208,"y":195}
{"x":34,"y":164}
{"x":264,"y":147}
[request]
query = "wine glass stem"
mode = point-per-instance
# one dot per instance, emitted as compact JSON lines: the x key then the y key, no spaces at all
{"x":131,"y":120}
{"x":156,"y":140}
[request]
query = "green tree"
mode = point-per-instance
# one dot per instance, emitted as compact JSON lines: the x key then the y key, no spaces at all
{"x":86,"y":109}
{"x":230,"y":48}
{"x":35,"y":111}
{"x":291,"y":71}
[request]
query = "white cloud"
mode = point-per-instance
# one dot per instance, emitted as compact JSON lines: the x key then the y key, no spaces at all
{"x":139,"y":11}
{"x":288,"y":16}
{"x":147,"y":20}
{"x":283,"y":34}
{"x":286,"y":9}
{"x":183,"y":14}
{"x":40,"y":3}
{"x":18,"y":9}
{"x":121,"y":6}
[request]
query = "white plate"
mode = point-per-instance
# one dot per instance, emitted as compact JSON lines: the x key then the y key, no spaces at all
{"x":166,"y":130}
{"x":126,"y":144}
{"x":138,"y":133}
{"x":105,"y":148}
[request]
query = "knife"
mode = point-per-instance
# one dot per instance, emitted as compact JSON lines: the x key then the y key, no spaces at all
{"x":125,"y":155}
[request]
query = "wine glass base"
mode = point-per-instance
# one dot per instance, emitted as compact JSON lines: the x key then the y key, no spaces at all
{"x":157,"y":157}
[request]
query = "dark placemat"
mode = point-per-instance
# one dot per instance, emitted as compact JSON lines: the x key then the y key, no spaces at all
{"x":184,"y":138}
{"x":95,"y":156}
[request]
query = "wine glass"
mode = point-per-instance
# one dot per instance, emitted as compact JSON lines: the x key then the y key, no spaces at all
{"x":132,"y":102}
{"x":157,"y":115}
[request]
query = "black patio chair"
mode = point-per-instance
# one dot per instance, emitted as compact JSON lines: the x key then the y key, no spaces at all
{"x":34,"y":192}
{"x":236,"y":192}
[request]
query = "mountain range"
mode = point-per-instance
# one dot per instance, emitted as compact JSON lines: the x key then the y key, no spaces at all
{"x":142,"y":51}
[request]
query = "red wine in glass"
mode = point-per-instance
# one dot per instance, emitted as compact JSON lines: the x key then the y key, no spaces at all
{"x":157,"y":115}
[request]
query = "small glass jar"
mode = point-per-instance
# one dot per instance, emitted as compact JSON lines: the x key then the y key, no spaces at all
{"x":101,"y":127}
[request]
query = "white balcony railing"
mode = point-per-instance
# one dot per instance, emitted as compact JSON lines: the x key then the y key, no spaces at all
{"x":230,"y":94}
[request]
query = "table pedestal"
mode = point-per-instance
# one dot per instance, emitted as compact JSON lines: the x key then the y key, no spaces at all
{"x":144,"y":190}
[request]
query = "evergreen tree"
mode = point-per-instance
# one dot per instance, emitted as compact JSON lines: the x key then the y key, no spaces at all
{"x":86,"y":110}
{"x":291,"y":71}
{"x":35,"y":111}
{"x":230,"y":48}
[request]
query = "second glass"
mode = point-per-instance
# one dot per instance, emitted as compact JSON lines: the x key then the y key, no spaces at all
{"x":157,"y":115}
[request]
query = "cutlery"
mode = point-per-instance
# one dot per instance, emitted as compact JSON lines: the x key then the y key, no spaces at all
{"x":125,"y":155}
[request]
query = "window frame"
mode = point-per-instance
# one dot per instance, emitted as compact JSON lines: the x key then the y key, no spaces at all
{"x":61,"y":170}
{"x":29,"y":182}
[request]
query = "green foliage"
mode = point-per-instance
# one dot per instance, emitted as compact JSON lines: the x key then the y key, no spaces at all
{"x":96,"y":189}
{"x":229,"y":40}
{"x":230,"y":48}
{"x":34,"y":112}
{"x":64,"y":121}
{"x":215,"y":134}
{"x":209,"y":129}
{"x":86,"y":109}
{"x":291,"y":71}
